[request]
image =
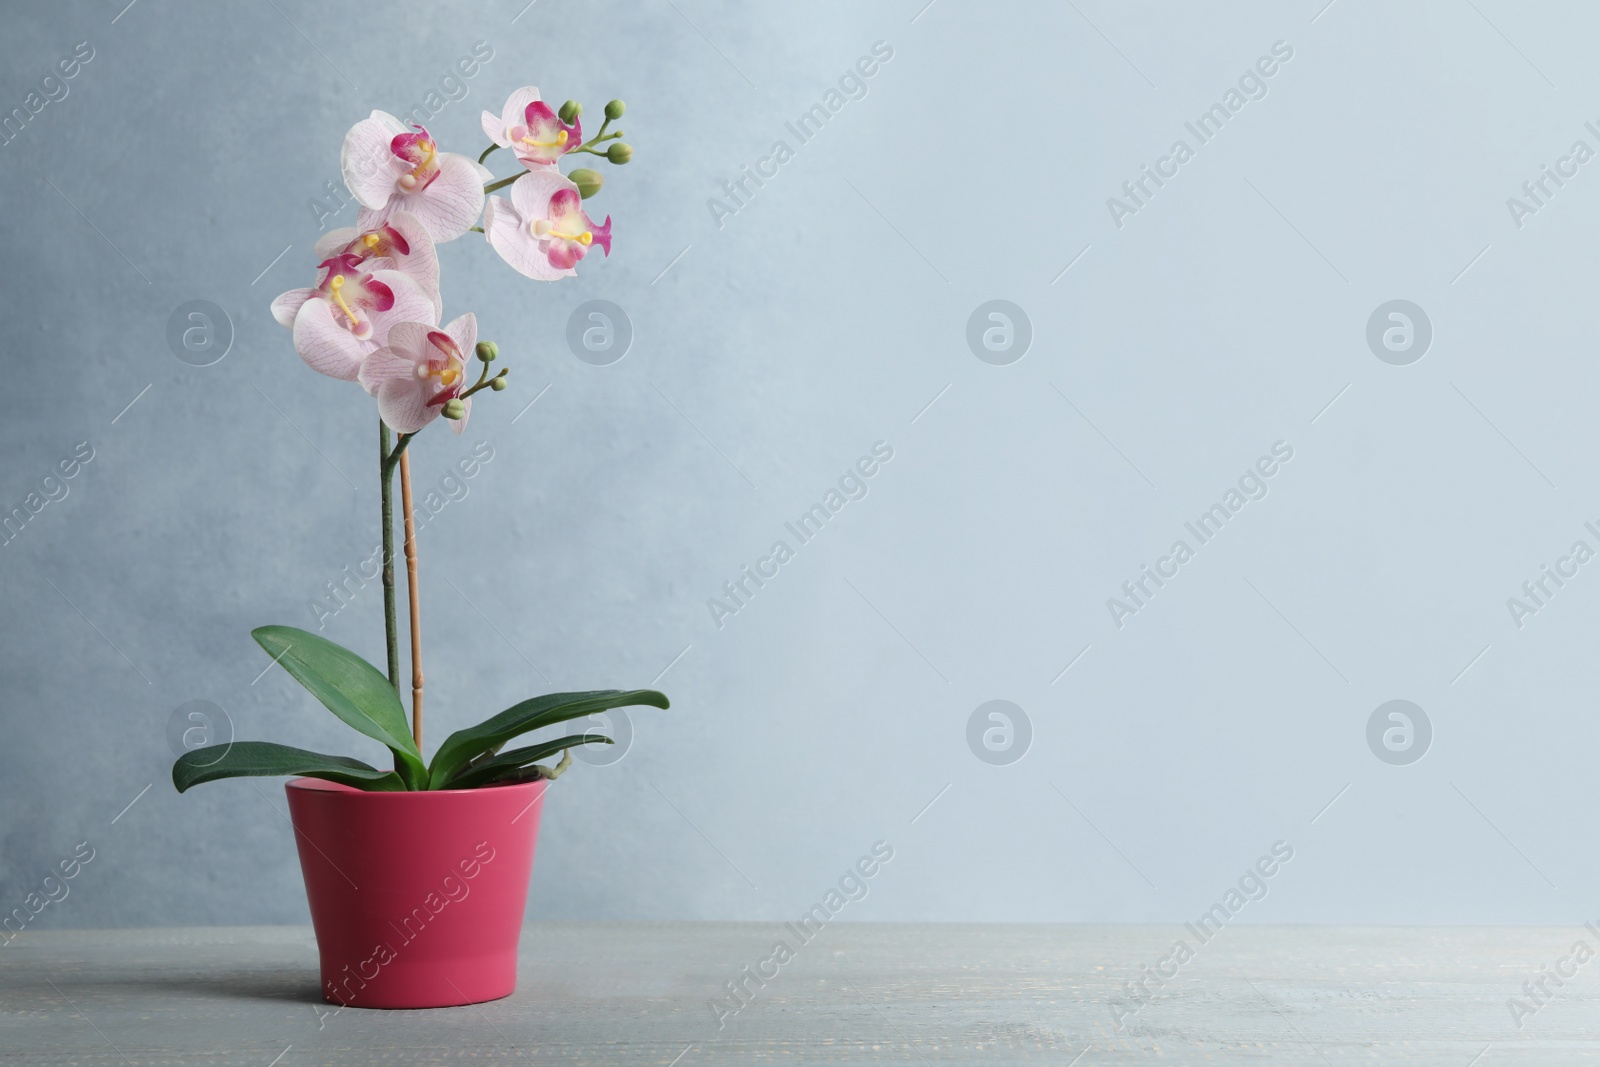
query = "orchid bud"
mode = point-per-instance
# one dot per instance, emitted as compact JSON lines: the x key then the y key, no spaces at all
{"x":619,"y":153}
{"x":570,"y":110}
{"x":614,"y":109}
{"x":454,"y":409}
{"x":487,"y":351}
{"x":497,"y":384}
{"x":588,"y":181}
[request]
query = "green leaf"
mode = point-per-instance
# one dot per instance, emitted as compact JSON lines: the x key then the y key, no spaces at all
{"x":243,"y":759}
{"x":351,"y":688}
{"x":530,"y":715}
{"x":492,"y":770}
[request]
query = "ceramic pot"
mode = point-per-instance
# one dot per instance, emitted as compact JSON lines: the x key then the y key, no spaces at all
{"x":417,"y":897}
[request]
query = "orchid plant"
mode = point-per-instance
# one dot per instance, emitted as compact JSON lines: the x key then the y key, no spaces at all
{"x":373,"y":317}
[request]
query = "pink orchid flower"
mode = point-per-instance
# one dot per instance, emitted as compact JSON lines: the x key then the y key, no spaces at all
{"x":390,"y":169}
{"x":400,"y":244}
{"x":543,"y":232}
{"x":420,"y":369}
{"x":529,"y":128}
{"x":350,"y":314}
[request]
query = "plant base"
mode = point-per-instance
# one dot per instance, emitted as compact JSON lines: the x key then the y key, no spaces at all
{"x":417,"y":898}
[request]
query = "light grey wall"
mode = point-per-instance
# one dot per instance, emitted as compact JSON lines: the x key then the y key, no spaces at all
{"x":774,"y":346}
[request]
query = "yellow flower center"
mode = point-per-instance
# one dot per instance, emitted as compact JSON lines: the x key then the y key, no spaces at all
{"x":542,"y":228}
{"x":429,"y":151}
{"x":446,"y":371}
{"x":561,"y":139}
{"x":338,"y":298}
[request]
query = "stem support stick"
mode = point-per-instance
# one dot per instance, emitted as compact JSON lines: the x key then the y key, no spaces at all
{"x":411,"y":597}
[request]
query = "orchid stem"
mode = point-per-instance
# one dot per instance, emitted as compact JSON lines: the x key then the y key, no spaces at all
{"x":588,"y":146}
{"x":386,"y":492}
{"x":475,"y":229}
{"x":391,"y":458}
{"x":486,"y":152}
{"x":412,"y":599}
{"x":483,"y":381}
{"x":501,"y":184}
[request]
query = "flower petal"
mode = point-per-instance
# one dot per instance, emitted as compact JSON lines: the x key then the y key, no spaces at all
{"x":565,"y":254}
{"x":411,"y":304}
{"x":494,"y":129}
{"x":385,"y":365}
{"x":421,"y":263}
{"x":402,"y":406}
{"x":531,"y":194}
{"x":378,"y":295}
{"x":489,"y":203}
{"x":517,"y":105}
{"x":369,"y":167}
{"x":509,"y":235}
{"x":464,"y":332}
{"x":511,"y":114}
{"x":287,"y":305}
{"x":327,"y":347}
{"x":566,"y":207}
{"x":451,"y":203}
{"x":406,"y":346}
{"x":371,"y":218}
{"x":333,"y":242}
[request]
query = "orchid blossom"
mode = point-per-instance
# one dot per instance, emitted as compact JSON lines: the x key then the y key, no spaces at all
{"x":543,"y":231}
{"x":528,"y":127}
{"x":403,"y":244}
{"x":400,"y":244}
{"x":350,"y":314}
{"x":390,"y":169}
{"x":419,"y":371}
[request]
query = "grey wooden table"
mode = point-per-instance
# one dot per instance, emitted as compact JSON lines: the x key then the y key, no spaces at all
{"x":948,"y":994}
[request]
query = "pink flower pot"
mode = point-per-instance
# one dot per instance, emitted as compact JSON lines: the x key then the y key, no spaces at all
{"x":416,"y":898}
